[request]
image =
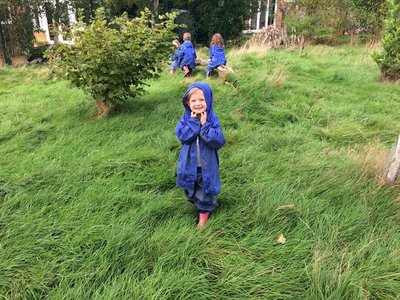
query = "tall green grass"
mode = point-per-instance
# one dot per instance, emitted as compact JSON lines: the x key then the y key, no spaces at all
{"x":89,"y":209}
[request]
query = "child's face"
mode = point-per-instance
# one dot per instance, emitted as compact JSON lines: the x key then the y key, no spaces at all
{"x":197,"y":102}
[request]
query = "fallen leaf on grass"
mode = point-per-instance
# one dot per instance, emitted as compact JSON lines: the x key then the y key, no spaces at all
{"x":289,"y":206}
{"x":281,"y":239}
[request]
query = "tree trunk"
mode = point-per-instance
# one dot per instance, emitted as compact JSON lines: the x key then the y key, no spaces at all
{"x":6,"y":55}
{"x":156,"y":3}
{"x":91,"y":9}
{"x":103,"y":110}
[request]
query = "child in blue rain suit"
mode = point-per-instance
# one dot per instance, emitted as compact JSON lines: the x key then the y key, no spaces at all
{"x":188,"y":55}
{"x":175,"y":58}
{"x":217,"y":54}
{"x":201,"y":136}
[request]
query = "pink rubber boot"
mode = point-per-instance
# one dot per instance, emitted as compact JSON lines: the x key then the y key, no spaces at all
{"x":203,"y":218}
{"x":186,"y":71}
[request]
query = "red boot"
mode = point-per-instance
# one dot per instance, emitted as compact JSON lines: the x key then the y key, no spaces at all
{"x":203,"y":218}
{"x":186,"y":71}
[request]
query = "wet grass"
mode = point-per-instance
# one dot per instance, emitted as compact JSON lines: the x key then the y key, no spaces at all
{"x":89,"y":209}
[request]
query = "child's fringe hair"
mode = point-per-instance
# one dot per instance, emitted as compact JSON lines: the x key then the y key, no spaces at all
{"x":190,"y":93}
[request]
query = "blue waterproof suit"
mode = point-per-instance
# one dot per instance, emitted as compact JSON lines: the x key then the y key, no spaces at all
{"x":188,"y":55}
{"x":177,"y":55}
{"x":176,"y":59}
{"x":217,"y":57}
{"x":211,"y":139}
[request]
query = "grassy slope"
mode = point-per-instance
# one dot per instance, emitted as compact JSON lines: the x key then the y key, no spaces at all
{"x":89,"y":209}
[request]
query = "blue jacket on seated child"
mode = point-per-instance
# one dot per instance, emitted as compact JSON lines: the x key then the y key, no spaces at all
{"x":188,"y":55}
{"x":217,"y":57}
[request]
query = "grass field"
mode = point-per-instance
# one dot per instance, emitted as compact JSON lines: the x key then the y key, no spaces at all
{"x":89,"y":208}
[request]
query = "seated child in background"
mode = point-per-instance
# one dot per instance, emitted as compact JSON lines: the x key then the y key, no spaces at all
{"x":175,"y":58}
{"x":188,"y":55}
{"x":201,"y":136}
{"x":217,"y":54}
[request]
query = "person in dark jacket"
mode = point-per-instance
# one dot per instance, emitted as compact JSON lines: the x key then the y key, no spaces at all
{"x":217,"y":54}
{"x":188,"y":55}
{"x":201,"y":136}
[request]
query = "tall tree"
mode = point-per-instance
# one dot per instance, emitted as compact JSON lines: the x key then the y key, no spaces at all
{"x":17,"y":27}
{"x":4,"y":15}
{"x":224,"y":16}
{"x":132,"y":7}
{"x":4,"y":48}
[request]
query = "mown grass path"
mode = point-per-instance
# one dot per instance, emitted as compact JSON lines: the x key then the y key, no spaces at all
{"x":89,"y":209}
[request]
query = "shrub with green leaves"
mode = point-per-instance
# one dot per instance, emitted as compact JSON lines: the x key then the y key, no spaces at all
{"x":112,"y":60}
{"x":308,"y":27}
{"x":388,"y":59}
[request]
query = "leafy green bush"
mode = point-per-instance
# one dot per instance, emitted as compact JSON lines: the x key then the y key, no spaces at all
{"x":388,"y":59}
{"x":323,"y":34}
{"x":112,"y":60}
{"x":366,"y":14}
{"x":308,"y":27}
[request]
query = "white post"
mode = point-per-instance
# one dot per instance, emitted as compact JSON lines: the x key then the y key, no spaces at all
{"x":267,"y":14}
{"x":34,"y":23}
{"x":258,"y":15}
{"x":44,"y":25}
{"x":71,"y":14}
{"x":275,"y":10}
{"x":60,"y":36}
{"x":394,"y":163}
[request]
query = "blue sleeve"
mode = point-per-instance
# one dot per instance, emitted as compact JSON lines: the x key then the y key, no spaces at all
{"x":176,"y":55}
{"x":212,"y":134}
{"x":187,"y":131}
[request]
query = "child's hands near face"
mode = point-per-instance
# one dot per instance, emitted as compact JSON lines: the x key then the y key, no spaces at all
{"x":203,"y":117}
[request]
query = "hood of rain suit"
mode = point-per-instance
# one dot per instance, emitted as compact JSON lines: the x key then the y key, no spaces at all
{"x":207,"y":94}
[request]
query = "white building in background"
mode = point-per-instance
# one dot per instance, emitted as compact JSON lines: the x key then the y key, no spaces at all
{"x":270,"y":13}
{"x":45,"y":35}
